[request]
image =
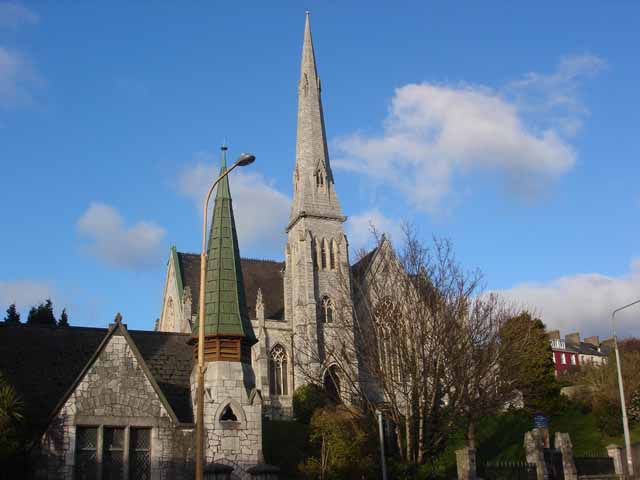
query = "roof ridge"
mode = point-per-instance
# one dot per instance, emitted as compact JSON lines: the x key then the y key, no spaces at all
{"x":51,"y":327}
{"x":241,"y":258}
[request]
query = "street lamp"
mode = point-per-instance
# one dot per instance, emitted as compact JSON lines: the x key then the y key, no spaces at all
{"x":623,"y":406}
{"x":242,"y":161}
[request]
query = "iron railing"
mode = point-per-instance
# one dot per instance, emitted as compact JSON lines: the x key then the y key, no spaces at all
{"x":514,"y":470}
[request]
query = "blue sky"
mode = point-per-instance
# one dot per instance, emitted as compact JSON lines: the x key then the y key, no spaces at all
{"x":510,"y":128}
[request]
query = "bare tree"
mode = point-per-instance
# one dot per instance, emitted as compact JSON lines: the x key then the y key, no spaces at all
{"x":427,"y":344}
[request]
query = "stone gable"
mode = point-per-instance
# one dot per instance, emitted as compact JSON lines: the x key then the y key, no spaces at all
{"x":114,"y":391}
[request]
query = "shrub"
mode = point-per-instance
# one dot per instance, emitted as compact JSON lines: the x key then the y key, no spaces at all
{"x":306,"y":400}
{"x":345,"y":446}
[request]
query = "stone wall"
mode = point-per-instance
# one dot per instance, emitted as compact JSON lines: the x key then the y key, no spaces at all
{"x":115,"y":391}
{"x":236,"y":443}
{"x":271,"y":333}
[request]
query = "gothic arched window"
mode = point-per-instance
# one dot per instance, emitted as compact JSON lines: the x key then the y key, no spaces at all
{"x":314,"y":253}
{"x":323,"y":254}
{"x":332,"y":255}
{"x":326,"y":310}
{"x":278,"y":371}
{"x":385,"y":319}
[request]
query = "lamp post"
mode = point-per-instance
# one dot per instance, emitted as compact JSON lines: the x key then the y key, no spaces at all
{"x":242,"y":161}
{"x":623,"y":406}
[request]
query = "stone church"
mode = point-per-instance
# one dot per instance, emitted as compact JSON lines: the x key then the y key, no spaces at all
{"x":114,"y":403}
{"x":293,"y":301}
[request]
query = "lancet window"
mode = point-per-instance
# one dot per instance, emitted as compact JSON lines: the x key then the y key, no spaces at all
{"x":332,"y":255}
{"x":323,"y":254}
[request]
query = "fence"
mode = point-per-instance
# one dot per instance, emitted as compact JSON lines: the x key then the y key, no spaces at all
{"x":594,"y":463}
{"x":508,"y":471}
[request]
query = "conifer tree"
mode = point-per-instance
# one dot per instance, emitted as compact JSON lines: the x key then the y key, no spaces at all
{"x":13,"y":317}
{"x":64,"y":319}
{"x":42,"y":314}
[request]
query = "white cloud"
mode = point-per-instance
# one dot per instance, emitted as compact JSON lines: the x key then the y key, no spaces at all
{"x":14,"y":15}
{"x":436,"y":132}
{"x":137,"y":247}
{"x":359,"y":228}
{"x":583,"y":302}
{"x":16,"y":79}
{"x":261,"y":211}
{"x":554,"y":98}
{"x":24,"y":293}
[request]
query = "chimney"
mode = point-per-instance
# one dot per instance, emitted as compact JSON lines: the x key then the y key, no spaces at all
{"x":572,"y":338}
{"x":595,"y":341}
{"x":607,"y":342}
{"x":554,"y":335}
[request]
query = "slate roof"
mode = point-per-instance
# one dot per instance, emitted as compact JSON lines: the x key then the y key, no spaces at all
{"x":360,"y":267}
{"x":263,"y":274}
{"x":170,"y":359}
{"x":588,"y":349}
{"x":42,"y":364}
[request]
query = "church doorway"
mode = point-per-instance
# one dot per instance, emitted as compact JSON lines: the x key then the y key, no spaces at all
{"x":331,"y":384}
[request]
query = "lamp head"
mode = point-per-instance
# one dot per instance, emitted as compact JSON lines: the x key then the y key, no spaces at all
{"x":245,"y":159}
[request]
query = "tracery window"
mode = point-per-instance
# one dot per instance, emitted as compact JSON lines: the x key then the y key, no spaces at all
{"x":385,"y":318}
{"x":326,"y":310}
{"x":278,"y":371}
{"x":319,"y":178}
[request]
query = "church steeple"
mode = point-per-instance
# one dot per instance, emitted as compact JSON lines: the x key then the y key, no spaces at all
{"x":225,"y":303}
{"x":314,"y":193}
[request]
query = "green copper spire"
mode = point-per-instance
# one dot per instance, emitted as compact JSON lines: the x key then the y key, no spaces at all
{"x":224,"y":296}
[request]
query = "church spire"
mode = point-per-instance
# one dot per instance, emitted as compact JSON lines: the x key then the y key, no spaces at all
{"x":225,"y":303}
{"x":314,"y":193}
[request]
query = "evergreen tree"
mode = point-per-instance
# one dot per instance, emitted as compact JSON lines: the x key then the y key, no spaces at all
{"x":42,"y":314}
{"x":13,"y":317}
{"x":533,"y":365}
{"x":64,"y":319}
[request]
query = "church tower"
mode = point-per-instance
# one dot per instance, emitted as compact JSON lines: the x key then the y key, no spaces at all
{"x":232,"y":406}
{"x":317,"y":281}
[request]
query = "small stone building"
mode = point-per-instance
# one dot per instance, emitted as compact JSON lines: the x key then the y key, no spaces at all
{"x":107,"y":398}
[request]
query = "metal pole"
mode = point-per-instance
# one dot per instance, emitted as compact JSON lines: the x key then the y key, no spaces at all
{"x":201,"y":367}
{"x":623,"y":405}
{"x":383,"y":461}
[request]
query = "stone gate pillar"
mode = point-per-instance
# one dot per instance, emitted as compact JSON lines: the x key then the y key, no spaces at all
{"x":562,"y":442}
{"x":534,"y":449}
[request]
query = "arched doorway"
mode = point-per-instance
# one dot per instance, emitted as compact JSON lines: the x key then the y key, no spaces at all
{"x":331,"y":382}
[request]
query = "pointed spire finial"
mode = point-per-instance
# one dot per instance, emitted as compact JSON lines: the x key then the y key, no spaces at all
{"x":313,"y":179}
{"x":118,"y":318}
